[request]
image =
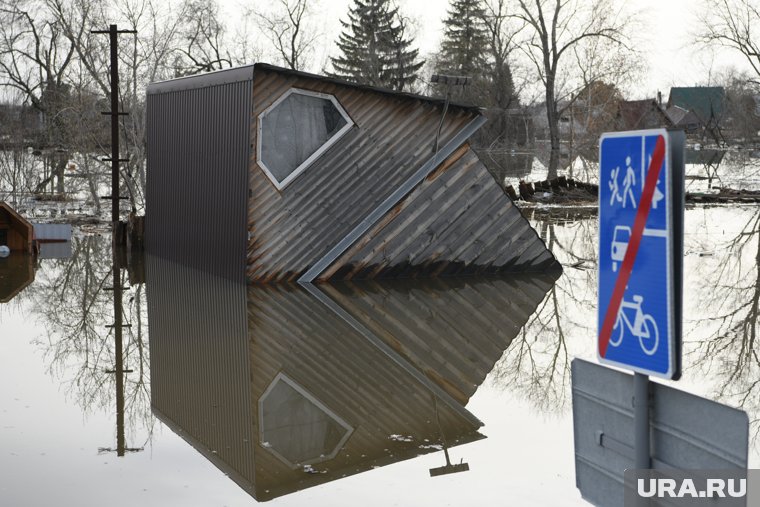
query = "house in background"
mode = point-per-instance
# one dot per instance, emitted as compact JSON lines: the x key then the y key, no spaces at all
{"x":640,"y":115}
{"x":708,"y":105}
{"x":298,"y":177}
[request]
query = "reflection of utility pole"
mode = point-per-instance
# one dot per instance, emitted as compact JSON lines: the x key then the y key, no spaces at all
{"x":119,"y":370}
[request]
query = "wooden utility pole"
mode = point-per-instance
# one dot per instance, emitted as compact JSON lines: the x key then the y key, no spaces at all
{"x":113,"y":33}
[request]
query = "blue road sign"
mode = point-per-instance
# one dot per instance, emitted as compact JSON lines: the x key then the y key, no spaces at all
{"x":637,"y":279}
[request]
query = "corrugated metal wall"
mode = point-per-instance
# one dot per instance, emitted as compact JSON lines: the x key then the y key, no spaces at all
{"x":198,"y":150}
{"x":457,"y":221}
{"x":392,"y":137}
{"x":452,"y":329}
{"x":199,"y":364}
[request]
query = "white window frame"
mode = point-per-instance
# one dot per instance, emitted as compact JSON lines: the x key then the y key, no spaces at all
{"x":314,"y":156}
{"x":282,"y":377}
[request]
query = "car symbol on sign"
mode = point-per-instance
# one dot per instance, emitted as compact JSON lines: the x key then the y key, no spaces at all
{"x":620,"y":239}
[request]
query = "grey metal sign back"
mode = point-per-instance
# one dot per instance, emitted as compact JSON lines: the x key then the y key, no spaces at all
{"x":687,"y":431}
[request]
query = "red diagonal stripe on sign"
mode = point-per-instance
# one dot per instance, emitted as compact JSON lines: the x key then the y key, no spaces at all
{"x":639,"y":223}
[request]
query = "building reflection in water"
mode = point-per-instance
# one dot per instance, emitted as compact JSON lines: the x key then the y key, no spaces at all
{"x":285,"y":387}
{"x":16,"y":273}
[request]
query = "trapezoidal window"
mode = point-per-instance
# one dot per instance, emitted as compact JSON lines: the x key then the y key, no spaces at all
{"x":295,"y":130}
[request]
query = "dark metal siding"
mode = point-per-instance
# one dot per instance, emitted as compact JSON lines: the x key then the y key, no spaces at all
{"x":199,"y":365}
{"x":392,"y":137}
{"x":198,"y":150}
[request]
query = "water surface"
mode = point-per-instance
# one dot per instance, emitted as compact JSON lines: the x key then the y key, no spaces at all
{"x":345,"y":394}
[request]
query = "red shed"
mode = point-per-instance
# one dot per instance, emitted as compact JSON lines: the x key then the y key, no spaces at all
{"x":15,"y":231}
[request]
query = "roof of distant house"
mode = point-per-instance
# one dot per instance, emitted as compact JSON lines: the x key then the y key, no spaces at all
{"x":633,"y":113}
{"x":706,"y":101}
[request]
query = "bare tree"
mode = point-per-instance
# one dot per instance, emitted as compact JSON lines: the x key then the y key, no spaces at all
{"x":732,"y":24}
{"x":553,"y":29}
{"x":72,"y":301}
{"x":163,"y":42}
{"x":35,"y":60}
{"x":202,"y":32}
{"x":145,"y":58}
{"x":724,"y":335}
{"x":17,"y":164}
{"x":536,"y":365}
{"x":286,"y":27}
{"x":501,"y":35}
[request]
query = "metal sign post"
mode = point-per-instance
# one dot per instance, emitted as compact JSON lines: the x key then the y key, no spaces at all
{"x":640,"y":261}
{"x":641,"y":420}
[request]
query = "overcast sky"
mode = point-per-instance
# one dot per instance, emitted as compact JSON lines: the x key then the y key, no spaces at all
{"x":666,"y":41}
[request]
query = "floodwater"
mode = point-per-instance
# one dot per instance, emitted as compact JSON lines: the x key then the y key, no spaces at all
{"x":707,"y":169}
{"x":343,"y":394}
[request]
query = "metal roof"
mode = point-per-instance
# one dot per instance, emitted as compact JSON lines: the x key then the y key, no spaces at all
{"x":641,"y":114}
{"x":705,"y":101}
{"x":246,"y":73}
{"x":458,"y":221}
{"x":204,"y":80}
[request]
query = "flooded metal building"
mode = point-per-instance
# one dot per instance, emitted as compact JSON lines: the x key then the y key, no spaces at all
{"x":292,"y":176}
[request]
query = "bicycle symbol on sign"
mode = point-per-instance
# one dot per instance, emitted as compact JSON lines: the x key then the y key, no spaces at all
{"x":644,"y":326}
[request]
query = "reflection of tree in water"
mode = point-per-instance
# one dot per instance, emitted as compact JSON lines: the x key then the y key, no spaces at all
{"x":721,"y":338}
{"x":537,"y":363}
{"x":74,"y":300}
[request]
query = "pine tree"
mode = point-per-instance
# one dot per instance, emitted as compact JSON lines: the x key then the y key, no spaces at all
{"x":465,"y":40}
{"x":374,"y":47}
